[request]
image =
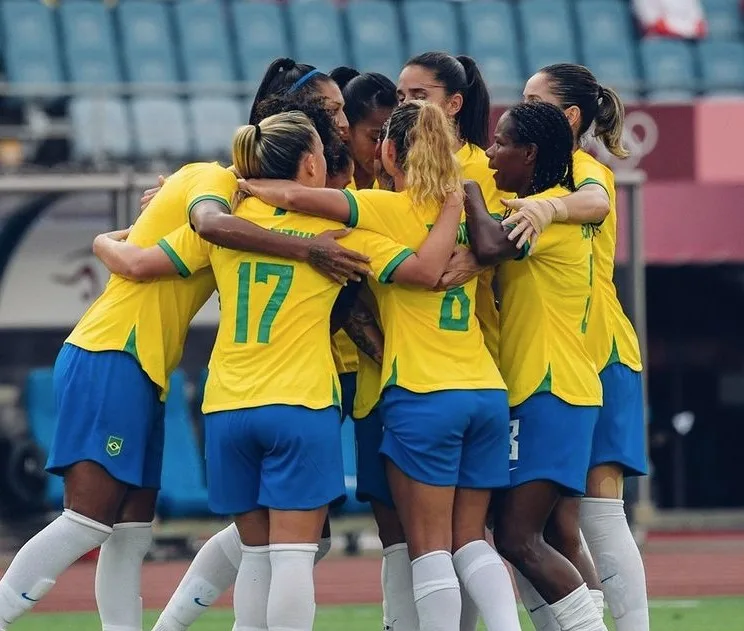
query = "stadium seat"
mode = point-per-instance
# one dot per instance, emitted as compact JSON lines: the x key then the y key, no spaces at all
{"x":348,"y":444}
{"x":160,"y":128}
{"x":490,"y":37}
{"x":724,"y":18}
{"x":31,"y":51}
{"x":88,"y":38}
{"x":722,"y":66}
{"x":147,"y":42}
{"x":430,"y":25}
{"x":100,"y":129}
{"x":183,"y":492}
{"x":607,"y":43}
{"x":668,"y":68}
{"x":204,"y":42}
{"x":261,"y":37}
{"x":374,"y":37}
{"x":41,"y":414}
{"x":214,"y":122}
{"x":547,"y":31}
{"x":315,"y":31}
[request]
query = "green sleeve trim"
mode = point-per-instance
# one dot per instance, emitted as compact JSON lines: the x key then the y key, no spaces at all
{"x":175,"y":259}
{"x":497,"y":216}
{"x":591,"y":180}
{"x":353,"y":209}
{"x":204,"y":198}
{"x":393,"y":265}
{"x":524,"y":252}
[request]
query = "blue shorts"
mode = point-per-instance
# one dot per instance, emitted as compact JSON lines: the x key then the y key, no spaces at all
{"x":448,"y":438}
{"x":284,"y":457}
{"x":372,"y":482}
{"x":551,"y":440}
{"x":348,"y":391}
{"x":620,"y":436}
{"x":109,"y":412}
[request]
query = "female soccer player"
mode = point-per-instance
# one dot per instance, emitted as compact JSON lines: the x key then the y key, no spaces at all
{"x":443,"y":402}
{"x":276,"y":444}
{"x":619,"y":441}
{"x":554,"y":390}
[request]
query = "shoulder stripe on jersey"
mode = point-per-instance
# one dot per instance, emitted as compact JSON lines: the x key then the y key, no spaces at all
{"x":353,"y":209}
{"x":591,"y":180}
{"x":204,"y":198}
{"x":175,"y":259}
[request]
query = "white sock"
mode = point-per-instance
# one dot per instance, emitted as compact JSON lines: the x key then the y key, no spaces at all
{"x":487,"y":580}
{"x":618,"y":561}
{"x":324,"y":547}
{"x":398,"y":607}
{"x":213,"y":570}
{"x":119,"y":576}
{"x":292,"y":594}
{"x":541,"y":615}
{"x":436,"y":591}
{"x":469,"y":611}
{"x":598,"y":600}
{"x":37,"y":565}
{"x":577,"y":612}
{"x":251,"y":597}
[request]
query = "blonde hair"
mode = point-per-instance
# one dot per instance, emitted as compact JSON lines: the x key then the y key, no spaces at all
{"x":425,"y":143}
{"x":274,"y":147}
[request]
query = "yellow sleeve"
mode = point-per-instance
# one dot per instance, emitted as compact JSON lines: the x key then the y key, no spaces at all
{"x":385,"y":254}
{"x":368,"y":209}
{"x":211,"y":183}
{"x":592,"y":172}
{"x":186,"y":250}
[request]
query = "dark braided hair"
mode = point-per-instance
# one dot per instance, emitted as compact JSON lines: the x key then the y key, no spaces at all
{"x":545,"y":126}
{"x":335,"y":152}
{"x":363,"y":93}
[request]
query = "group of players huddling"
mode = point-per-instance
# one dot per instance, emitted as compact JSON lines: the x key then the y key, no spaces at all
{"x":521,"y":416}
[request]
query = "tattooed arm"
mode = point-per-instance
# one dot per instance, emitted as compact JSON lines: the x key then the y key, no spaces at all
{"x":362,"y":328}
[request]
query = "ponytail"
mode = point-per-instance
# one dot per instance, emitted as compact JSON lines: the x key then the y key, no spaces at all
{"x":425,"y":145}
{"x":474,"y":115}
{"x":608,"y":123}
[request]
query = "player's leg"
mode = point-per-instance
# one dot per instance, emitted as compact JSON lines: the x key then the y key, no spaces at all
{"x":398,"y":609}
{"x":484,"y":466}
{"x":301,"y":474}
{"x":618,"y":451}
{"x":550,"y":449}
{"x":422,"y":442}
{"x":99,"y":448}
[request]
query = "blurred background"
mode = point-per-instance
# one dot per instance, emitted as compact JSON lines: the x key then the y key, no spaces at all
{"x":98,"y":98}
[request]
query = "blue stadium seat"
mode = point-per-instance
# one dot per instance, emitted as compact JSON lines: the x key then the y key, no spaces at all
{"x":147,"y":42}
{"x":262,"y":37}
{"x":88,"y":37}
{"x":160,"y":128}
{"x":490,"y":37}
{"x":547,"y":29}
{"x":41,"y":414}
{"x":668,"y":68}
{"x":374,"y":34}
{"x":100,"y":129}
{"x":722,"y":66}
{"x":348,"y":444}
{"x":607,"y":44}
{"x":315,"y":30}
{"x":431,"y":25}
{"x":183,"y":492}
{"x":204,"y":42}
{"x":31,"y":50}
{"x":214,"y":122}
{"x":724,"y":18}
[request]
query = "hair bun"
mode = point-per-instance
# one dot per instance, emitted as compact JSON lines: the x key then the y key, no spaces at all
{"x":343,"y":75}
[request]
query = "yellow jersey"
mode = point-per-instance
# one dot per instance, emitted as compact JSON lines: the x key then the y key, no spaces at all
{"x":544,"y":306}
{"x":369,"y":375}
{"x":150,"y":320}
{"x":273,"y":341}
{"x":474,"y":163}
{"x":432,"y":338}
{"x":610,"y":337}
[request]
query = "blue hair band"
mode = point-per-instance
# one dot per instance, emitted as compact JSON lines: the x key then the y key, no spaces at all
{"x":303,"y":80}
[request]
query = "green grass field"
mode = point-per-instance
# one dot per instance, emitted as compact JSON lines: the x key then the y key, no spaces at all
{"x":670,"y":615}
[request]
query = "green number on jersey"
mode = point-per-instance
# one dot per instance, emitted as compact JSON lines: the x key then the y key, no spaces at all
{"x":284,"y":274}
{"x":447,"y":319}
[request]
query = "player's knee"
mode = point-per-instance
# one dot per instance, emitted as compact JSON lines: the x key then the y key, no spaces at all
{"x":519,"y":546}
{"x":606,"y":481}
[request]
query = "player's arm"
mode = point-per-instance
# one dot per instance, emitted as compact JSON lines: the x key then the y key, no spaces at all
{"x":212,"y":222}
{"x":329,"y":203}
{"x":362,"y":328}
{"x":489,"y":237}
{"x":343,"y":305}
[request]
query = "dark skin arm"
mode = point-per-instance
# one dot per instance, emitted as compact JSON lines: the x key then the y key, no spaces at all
{"x":362,"y":328}
{"x":489,"y":238}
{"x":213,"y":224}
